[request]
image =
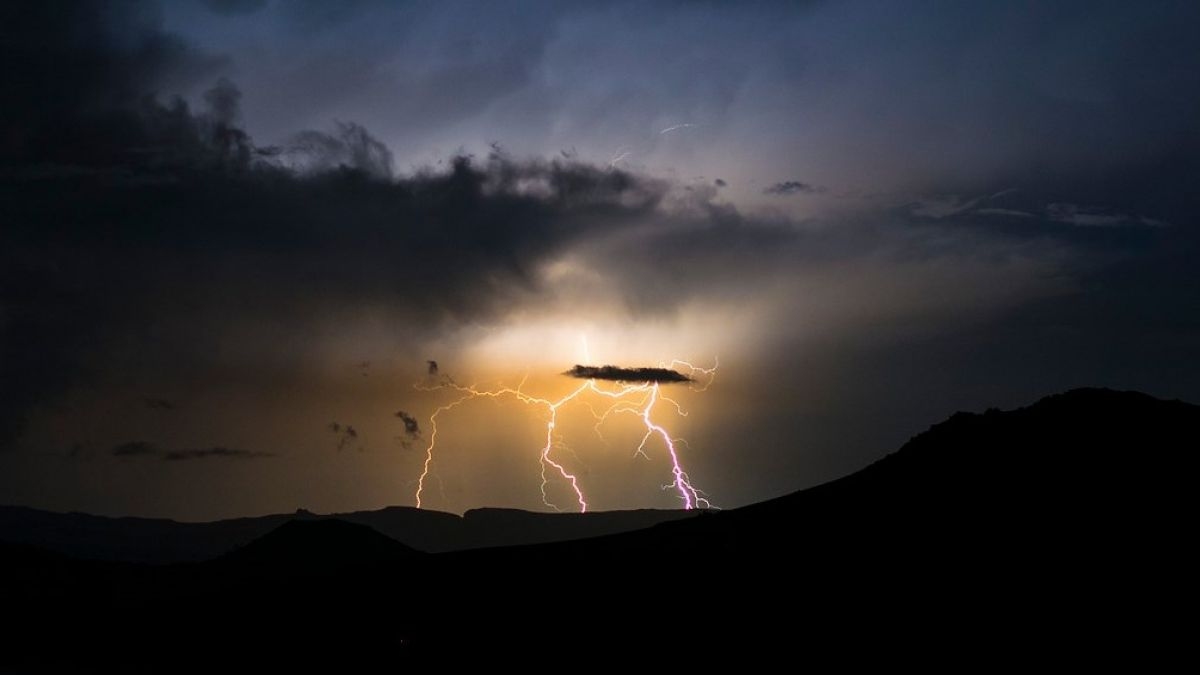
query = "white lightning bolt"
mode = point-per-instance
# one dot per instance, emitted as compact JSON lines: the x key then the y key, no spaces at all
{"x":686,"y":125}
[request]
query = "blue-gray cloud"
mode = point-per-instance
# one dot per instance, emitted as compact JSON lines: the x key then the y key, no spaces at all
{"x":793,"y":187}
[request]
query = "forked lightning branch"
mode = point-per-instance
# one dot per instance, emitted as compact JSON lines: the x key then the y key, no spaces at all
{"x":636,"y":392}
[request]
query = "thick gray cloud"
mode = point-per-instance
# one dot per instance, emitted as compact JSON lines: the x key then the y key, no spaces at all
{"x":192,"y":212}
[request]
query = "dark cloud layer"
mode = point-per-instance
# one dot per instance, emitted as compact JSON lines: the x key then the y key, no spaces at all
{"x":217,"y":452}
{"x":350,"y":146}
{"x":144,"y":449}
{"x":619,"y":374}
{"x":162,"y":196}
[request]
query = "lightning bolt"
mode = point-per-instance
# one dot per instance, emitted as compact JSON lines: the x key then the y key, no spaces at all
{"x":636,"y":399}
{"x":619,"y":156}
{"x":669,"y":129}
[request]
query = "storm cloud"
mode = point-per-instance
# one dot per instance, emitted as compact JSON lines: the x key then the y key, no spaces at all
{"x":182,"y":195}
{"x":619,"y":374}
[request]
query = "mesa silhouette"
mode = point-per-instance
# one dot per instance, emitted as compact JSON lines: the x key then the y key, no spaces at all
{"x":619,"y":374}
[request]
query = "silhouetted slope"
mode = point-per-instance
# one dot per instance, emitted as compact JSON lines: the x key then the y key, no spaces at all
{"x":512,"y":527}
{"x":1084,"y":462}
{"x":422,"y":529}
{"x":319,"y":543}
{"x":151,"y":540}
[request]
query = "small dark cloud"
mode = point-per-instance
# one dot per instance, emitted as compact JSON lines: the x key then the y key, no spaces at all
{"x":346,"y":434}
{"x":217,"y":452}
{"x":412,"y":429}
{"x":158,"y":404}
{"x":720,"y":183}
{"x":618,"y":374}
{"x":793,"y":187}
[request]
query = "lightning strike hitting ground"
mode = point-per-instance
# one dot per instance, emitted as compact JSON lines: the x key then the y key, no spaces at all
{"x":635,"y":399}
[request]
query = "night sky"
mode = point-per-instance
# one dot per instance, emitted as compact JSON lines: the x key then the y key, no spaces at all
{"x":230,"y":230}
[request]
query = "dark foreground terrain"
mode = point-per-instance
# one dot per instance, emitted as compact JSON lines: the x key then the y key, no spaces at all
{"x":153,"y":540}
{"x":1052,"y":535}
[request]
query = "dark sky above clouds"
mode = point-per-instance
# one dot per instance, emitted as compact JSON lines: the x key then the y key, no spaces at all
{"x":225,"y":225}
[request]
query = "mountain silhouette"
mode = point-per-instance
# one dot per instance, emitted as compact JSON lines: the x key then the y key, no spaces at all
{"x":320,"y":543}
{"x":1049,"y":533}
{"x":1088,"y":463}
{"x":156,"y":540}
